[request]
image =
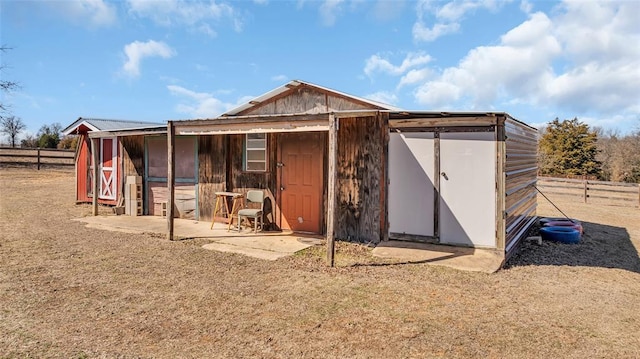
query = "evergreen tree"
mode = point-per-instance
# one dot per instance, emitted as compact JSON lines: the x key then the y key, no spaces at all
{"x":568,"y":148}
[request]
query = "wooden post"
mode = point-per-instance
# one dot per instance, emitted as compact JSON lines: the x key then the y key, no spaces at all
{"x":585,"y":188}
{"x":331,"y":189}
{"x":95,"y":150}
{"x":38,"y":158}
{"x":171,"y":178}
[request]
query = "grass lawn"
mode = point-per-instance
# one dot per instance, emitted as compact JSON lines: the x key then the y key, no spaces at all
{"x":74,"y":292}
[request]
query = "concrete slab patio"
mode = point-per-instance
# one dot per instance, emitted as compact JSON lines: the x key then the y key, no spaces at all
{"x":468,"y":259}
{"x":263,"y":245}
{"x":274,"y":245}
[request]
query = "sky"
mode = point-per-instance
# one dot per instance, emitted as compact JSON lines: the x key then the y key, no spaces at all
{"x":169,"y":60}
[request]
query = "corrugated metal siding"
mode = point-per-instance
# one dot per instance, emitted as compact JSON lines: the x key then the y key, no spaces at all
{"x":521,"y":173}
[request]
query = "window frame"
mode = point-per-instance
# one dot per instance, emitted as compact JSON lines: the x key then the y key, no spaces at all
{"x":248,"y":140}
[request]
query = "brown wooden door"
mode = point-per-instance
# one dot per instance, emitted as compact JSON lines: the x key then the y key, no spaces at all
{"x":300,"y":179}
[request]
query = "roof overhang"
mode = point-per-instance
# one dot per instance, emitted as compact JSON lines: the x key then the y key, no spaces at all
{"x":133,"y":132}
{"x":425,"y":119}
{"x":78,"y":127}
{"x":301,"y":122}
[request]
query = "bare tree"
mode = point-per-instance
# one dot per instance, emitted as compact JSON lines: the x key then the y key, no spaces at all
{"x":11,"y":126}
{"x":5,"y":85}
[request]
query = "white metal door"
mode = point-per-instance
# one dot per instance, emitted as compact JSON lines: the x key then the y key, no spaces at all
{"x":467,"y":188}
{"x":411,"y":179}
{"x":108,"y":168}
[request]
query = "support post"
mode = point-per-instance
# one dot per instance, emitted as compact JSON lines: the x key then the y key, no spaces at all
{"x":38,"y":158}
{"x":171,"y":178}
{"x":331,"y":188}
{"x":95,"y":151}
{"x":585,"y":183}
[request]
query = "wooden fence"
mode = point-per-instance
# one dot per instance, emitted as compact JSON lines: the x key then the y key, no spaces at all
{"x":619,"y":193}
{"x":39,"y":157}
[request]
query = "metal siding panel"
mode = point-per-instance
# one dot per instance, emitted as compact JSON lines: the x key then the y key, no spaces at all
{"x":467,"y":188}
{"x":411,"y":183}
{"x":521,"y":174}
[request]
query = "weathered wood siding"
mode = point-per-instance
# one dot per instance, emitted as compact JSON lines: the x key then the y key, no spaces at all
{"x":212,"y":162}
{"x":242,"y":181}
{"x":132,"y":156}
{"x":361,"y":172}
{"x":303,"y":99}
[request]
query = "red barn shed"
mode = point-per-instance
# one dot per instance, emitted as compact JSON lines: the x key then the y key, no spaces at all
{"x":114,"y":156}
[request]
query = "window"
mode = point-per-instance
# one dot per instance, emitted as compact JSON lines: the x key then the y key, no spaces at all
{"x":256,"y":152}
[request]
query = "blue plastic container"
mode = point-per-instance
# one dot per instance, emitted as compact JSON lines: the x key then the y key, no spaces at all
{"x":560,"y":234}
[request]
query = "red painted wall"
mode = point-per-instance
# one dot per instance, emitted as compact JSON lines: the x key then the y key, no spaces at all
{"x":83,"y":163}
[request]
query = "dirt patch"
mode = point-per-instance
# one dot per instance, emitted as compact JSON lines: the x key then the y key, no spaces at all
{"x":71,"y":291}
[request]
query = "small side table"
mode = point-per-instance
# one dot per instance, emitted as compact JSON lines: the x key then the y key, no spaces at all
{"x":222,"y":206}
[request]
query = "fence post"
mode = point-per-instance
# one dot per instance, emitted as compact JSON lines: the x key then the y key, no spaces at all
{"x":38,"y":158}
{"x":585,"y":182}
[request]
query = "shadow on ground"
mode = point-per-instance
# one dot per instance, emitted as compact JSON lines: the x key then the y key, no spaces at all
{"x":601,"y":246}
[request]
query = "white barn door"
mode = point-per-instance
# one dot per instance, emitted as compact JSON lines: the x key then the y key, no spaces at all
{"x":468,"y":188}
{"x":108,"y":168}
{"x":411,"y":179}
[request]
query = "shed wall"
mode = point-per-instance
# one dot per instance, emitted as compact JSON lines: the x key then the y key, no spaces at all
{"x":303,"y":99}
{"x":242,"y":181}
{"x":212,"y":168}
{"x":361,"y":183}
{"x":132,"y":155}
{"x":83,"y":161}
{"x":520,"y":180}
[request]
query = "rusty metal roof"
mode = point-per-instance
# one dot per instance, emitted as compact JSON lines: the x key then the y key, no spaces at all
{"x":106,"y":125}
{"x":295,"y":83}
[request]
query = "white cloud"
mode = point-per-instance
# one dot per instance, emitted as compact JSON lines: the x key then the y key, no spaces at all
{"x":384,"y":97}
{"x":385,"y":10}
{"x":329,"y":11}
{"x":520,"y":65}
{"x":201,"y":104}
{"x":92,"y":12}
{"x":421,"y":32}
{"x":136,"y":51}
{"x":279,"y":78}
{"x":261,"y":2}
{"x":526,"y":6}
{"x":414,"y":76}
{"x":377,"y":63}
{"x":197,"y":15}
{"x":447,"y":16}
{"x":582,"y":60}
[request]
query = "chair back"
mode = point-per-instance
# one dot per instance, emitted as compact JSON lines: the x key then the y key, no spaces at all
{"x":255,"y":197}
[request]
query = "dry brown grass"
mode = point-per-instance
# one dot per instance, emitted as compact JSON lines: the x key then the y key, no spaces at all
{"x":70,"y":291}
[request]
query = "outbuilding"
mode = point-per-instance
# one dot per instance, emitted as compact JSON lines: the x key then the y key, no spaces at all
{"x":341,"y":166}
{"x":355,"y":169}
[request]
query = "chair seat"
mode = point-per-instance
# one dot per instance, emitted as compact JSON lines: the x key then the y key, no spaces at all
{"x":249,"y":212}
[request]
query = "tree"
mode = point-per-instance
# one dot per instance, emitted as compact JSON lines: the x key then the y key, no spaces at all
{"x":68,"y":142}
{"x":29,"y":141}
{"x":568,"y":147}
{"x":620,"y":157}
{"x":11,"y":126}
{"x":49,"y":135}
{"x":5,"y":85}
